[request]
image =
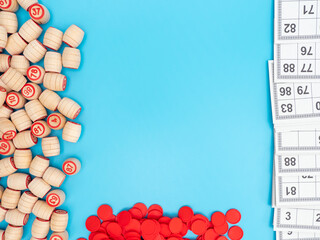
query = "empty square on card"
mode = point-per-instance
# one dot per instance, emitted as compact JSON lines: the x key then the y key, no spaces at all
{"x":307,"y":161}
{"x":307,"y":139}
{"x":289,"y":139}
{"x":307,"y":190}
{"x":288,"y":51}
{"x":304,"y":106}
{"x":307,"y":27}
{"x":304,"y":217}
{"x":316,"y":89}
{"x":290,"y":10}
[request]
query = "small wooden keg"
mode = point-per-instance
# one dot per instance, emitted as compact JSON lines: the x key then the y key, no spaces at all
{"x":73,"y":36}
{"x":26,"y":202}
{"x":54,"y":176}
{"x":39,"y":187}
{"x":21,"y":120}
{"x":42,"y":210}
{"x":50,"y":146}
{"x":30,"y":31}
{"x":22,"y":158}
{"x":38,"y":166}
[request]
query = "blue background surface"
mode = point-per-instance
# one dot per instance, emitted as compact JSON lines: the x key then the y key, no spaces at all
{"x":176,"y":108}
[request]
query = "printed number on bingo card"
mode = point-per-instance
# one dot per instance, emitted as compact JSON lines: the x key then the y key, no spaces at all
{"x":301,"y":190}
{"x":294,"y":102}
{"x":297,"y":20}
{"x":297,"y":164}
{"x":297,"y":219}
{"x":297,"y":62}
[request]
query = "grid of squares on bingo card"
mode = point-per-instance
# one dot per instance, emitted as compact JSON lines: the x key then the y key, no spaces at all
{"x":299,"y":59}
{"x":308,"y":102}
{"x":297,"y":24}
{"x":298,"y":18}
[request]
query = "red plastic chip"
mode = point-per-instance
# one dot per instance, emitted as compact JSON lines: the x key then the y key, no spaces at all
{"x":233,"y":216}
{"x":114,"y":229}
{"x":155,"y":207}
{"x":185,"y":213}
{"x":222,"y":238}
{"x":136,"y":213}
{"x":143,"y":208}
{"x":100,"y":236}
{"x":123,"y":218}
{"x":199,"y":227}
{"x":93,"y":223}
{"x":165,"y":230}
{"x":235,"y":233}
{"x":154,"y":214}
{"x":175,"y":225}
{"x":105,"y":212}
{"x":149,"y":227}
{"x":222,"y":229}
{"x":184,"y":230}
{"x":218,"y":218}
{"x":210,"y":234}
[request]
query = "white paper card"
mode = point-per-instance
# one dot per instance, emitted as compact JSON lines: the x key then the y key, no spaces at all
{"x":297,"y":62}
{"x":297,"y":20}
{"x":292,"y":235}
{"x":297,"y":219}
{"x":295,"y":102}
{"x":295,"y":139}
{"x":301,"y":190}
{"x":297,"y":164}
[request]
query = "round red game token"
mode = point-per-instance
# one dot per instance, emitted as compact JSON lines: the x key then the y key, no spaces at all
{"x":175,"y":225}
{"x":154,"y":214}
{"x":218,"y":218}
{"x":136,"y":213}
{"x":199,"y":227}
{"x":100,"y":236}
{"x":92,"y":235}
{"x":222,"y":238}
{"x":165,"y":230}
{"x":200,"y":217}
{"x":93,"y":223}
{"x":105,"y":212}
{"x":185,"y":213}
{"x":233,"y":216}
{"x":114,"y":229}
{"x":123,"y":218}
{"x":210,"y":235}
{"x":222,"y":229}
{"x":184,"y":230}
{"x":134,"y":225}
{"x":173,"y":238}
{"x":235,"y":233}
{"x":164,"y":220}
{"x":148,"y":227}
{"x":81,"y":239}
{"x":104,"y":225}
{"x":155,"y":207}
{"x":143,"y":208}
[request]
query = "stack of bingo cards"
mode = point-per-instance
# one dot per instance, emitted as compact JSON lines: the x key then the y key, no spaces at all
{"x":295,"y":97}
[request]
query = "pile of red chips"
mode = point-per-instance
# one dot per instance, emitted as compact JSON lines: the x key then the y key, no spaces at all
{"x":141,"y":222}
